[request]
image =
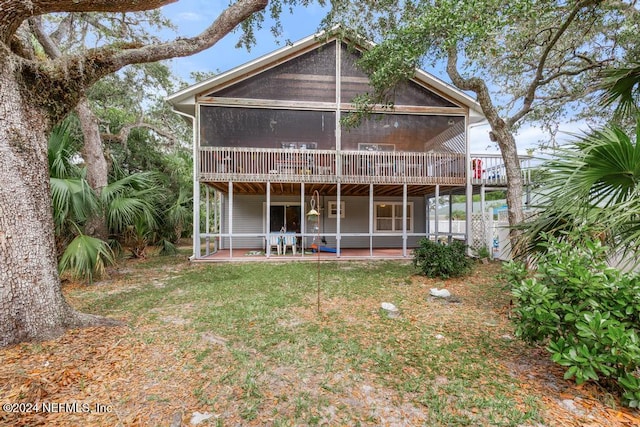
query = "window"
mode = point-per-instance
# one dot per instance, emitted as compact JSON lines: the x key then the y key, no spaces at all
{"x":388,"y":217}
{"x":285,"y":216}
{"x":332,"y":208}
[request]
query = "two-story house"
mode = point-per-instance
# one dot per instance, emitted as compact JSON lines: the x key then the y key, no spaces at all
{"x":270,"y":136}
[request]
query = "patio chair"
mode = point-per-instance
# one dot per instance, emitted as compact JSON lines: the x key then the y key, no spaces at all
{"x":289,"y":239}
{"x":274,"y":240}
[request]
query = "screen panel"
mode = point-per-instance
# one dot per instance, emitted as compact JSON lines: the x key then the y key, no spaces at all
{"x":356,"y":82}
{"x":404,"y":132}
{"x":308,"y":77}
{"x":266,"y":128}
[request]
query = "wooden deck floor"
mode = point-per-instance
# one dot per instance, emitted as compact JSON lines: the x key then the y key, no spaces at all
{"x":252,"y":255}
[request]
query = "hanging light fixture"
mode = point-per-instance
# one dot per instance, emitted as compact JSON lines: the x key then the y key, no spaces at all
{"x":313,"y":214}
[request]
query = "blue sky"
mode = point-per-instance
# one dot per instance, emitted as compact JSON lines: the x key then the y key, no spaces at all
{"x":193,"y":16}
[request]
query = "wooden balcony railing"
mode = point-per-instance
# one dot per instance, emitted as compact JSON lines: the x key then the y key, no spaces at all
{"x":353,"y":167}
{"x":489,"y":169}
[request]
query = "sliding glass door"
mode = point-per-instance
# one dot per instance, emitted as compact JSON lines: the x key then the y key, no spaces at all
{"x":285,"y":216}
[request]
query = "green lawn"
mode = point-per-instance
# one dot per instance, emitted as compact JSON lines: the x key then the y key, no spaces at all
{"x":254,"y":349}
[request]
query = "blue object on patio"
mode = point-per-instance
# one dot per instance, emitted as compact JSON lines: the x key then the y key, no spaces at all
{"x":323,"y":249}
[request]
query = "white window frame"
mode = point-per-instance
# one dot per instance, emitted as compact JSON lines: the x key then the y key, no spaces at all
{"x":393,"y":218}
{"x":332,"y":209}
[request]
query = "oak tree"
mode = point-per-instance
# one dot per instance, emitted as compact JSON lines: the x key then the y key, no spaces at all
{"x":524,"y":60}
{"x":36,"y":92}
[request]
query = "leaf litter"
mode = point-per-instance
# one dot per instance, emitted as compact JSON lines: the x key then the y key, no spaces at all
{"x":161,"y":370}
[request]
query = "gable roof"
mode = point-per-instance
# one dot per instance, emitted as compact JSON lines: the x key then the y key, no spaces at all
{"x":184,"y":100}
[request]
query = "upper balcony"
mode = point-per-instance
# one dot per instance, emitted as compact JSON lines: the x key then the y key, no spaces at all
{"x":241,"y":164}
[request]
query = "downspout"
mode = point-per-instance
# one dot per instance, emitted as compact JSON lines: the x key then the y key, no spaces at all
{"x":196,"y":187}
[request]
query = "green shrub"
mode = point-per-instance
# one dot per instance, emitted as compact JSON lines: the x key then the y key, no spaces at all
{"x":483,"y":252}
{"x":439,"y":260}
{"x":587,"y":313}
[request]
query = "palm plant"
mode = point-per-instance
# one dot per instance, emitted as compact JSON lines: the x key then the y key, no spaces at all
{"x":179,"y":214}
{"x":72,"y":198}
{"x":130,"y":199}
{"x":86,"y":257}
{"x":140,"y":208}
{"x":73,"y":202}
{"x":593,"y":184}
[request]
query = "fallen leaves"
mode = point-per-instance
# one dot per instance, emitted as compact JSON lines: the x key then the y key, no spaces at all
{"x":164,"y":368}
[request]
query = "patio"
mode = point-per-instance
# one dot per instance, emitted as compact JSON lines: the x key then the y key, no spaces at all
{"x":252,"y":255}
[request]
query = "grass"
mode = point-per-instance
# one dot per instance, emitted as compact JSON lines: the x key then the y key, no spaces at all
{"x":283,"y":363}
{"x":245,"y":345}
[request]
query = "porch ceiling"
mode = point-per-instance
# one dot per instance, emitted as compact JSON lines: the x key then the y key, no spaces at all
{"x":288,"y":189}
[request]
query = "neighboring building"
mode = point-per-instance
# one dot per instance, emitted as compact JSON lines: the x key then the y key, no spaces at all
{"x":269,"y":137}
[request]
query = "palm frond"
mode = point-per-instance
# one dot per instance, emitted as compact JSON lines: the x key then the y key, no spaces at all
{"x":179,"y":213}
{"x":125,"y":211}
{"x":86,"y":257}
{"x":134,"y":182}
{"x":61,"y":150}
{"x":167,"y":248}
{"x":622,"y":85}
{"x":73,"y":200}
{"x":600,"y":169}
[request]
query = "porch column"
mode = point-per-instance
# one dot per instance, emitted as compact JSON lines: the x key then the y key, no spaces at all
{"x":428,"y":215}
{"x":207,"y":222}
{"x":404,"y":220}
{"x":217,"y":218}
{"x":450,"y":215}
{"x":196,"y":212}
{"x":196,"y":183}
{"x":435,"y":212}
{"x":230,"y":219}
{"x":303,"y":219}
{"x":371,"y":207}
{"x":338,"y":124}
{"x":482,"y":199}
{"x":338,"y":237}
{"x":267,"y":227}
{"x":469,"y":189}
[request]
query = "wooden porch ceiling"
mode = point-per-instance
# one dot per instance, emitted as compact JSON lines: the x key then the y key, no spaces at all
{"x":289,"y":189}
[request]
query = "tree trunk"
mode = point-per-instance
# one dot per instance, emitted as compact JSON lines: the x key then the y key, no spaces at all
{"x":97,"y":168}
{"x":32,"y":306}
{"x":33,"y":93}
{"x":508,"y":148}
{"x":504,"y":136}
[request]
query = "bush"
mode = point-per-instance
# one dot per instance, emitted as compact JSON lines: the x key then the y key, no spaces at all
{"x":439,"y":260}
{"x":587,"y":313}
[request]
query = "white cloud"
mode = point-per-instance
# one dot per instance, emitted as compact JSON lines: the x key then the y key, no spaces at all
{"x":189,"y":16}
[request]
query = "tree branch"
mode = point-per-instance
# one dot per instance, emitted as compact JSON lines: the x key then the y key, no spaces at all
{"x":50,"y":48}
{"x":63,"y":29}
{"x":123,"y":136}
{"x":538,"y":78}
{"x":14,"y":13}
{"x":230,"y":18}
{"x":568,"y":73}
{"x":62,"y":82}
{"x":474,"y":84}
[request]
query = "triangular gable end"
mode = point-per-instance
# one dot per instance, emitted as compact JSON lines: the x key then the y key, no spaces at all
{"x":185,"y":100}
{"x":356,"y":82}
{"x":311,"y":77}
